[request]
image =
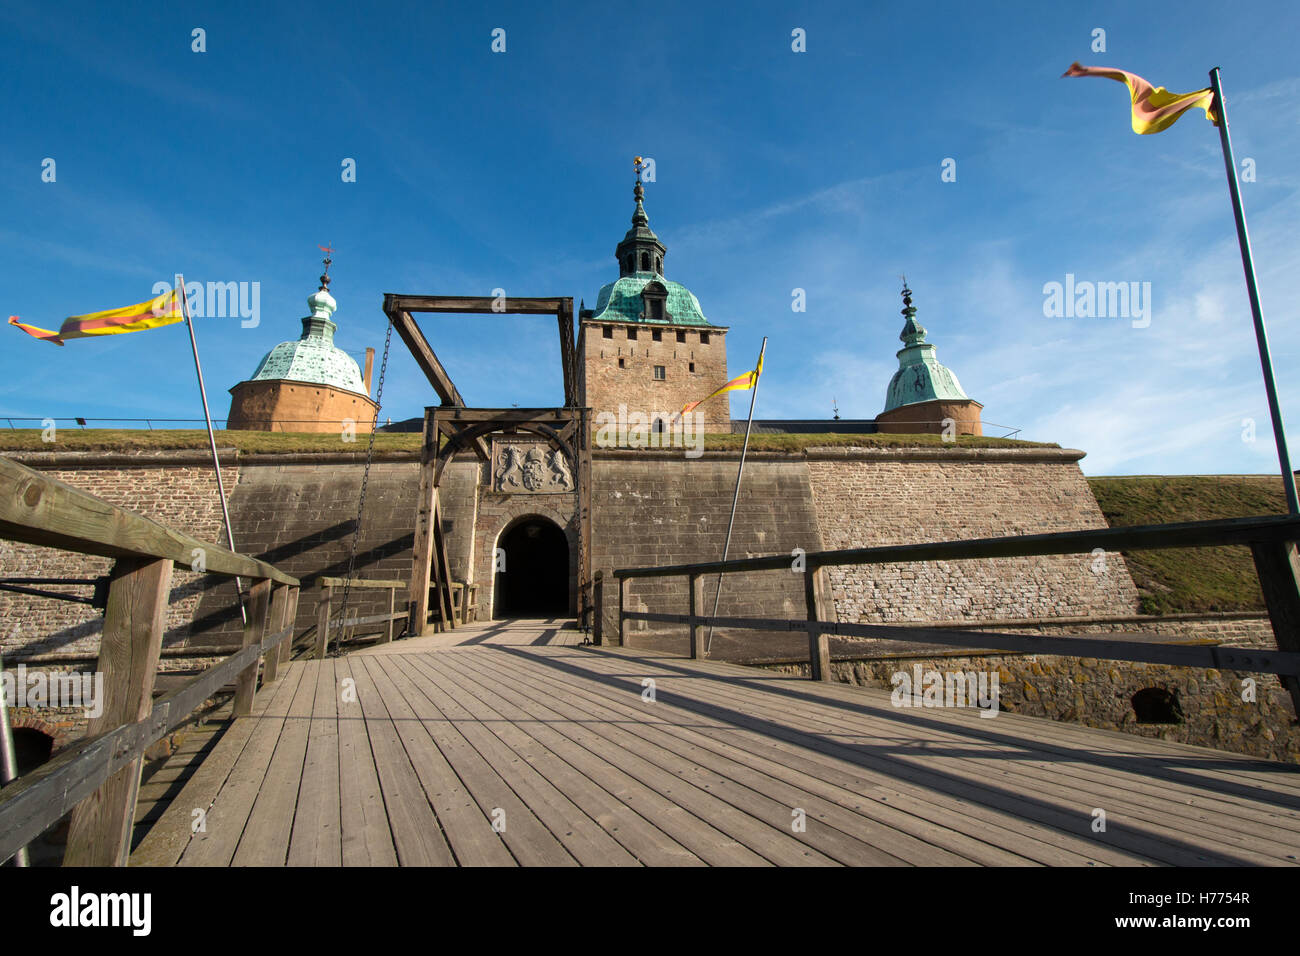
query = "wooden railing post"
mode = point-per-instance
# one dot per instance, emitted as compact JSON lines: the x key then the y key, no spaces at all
{"x":696,"y":603}
{"x":1279,"y":578}
{"x":422,"y":547}
{"x":134,"y":620}
{"x":323,"y":621}
{"x":819,"y":653}
{"x":279,"y":606}
{"x":622,"y":606}
{"x":392,"y":603}
{"x":246,"y":683}
{"x":290,"y":621}
{"x":597,"y":607}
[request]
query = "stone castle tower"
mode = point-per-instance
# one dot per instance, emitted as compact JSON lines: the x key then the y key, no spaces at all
{"x":923,"y":394}
{"x":647,"y":345}
{"x":307,"y":385}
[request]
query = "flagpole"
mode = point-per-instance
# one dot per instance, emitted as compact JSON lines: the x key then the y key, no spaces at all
{"x":735,"y":499}
{"x":212,"y":439}
{"x":1248,"y":264}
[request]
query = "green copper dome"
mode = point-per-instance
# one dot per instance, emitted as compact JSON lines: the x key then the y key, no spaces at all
{"x":641,"y":293}
{"x":313,"y":357}
{"x":621,"y":301}
{"x":920,"y":377}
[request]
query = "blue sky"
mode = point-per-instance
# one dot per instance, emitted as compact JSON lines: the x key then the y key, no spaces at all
{"x":775,"y":170}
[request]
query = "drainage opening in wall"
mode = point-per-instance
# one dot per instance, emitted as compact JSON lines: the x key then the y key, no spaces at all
{"x":535,"y":579}
{"x":1155,"y":705}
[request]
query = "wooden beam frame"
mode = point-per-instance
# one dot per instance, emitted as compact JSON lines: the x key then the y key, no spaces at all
{"x":36,"y":509}
{"x":398,"y":308}
{"x":134,"y":621}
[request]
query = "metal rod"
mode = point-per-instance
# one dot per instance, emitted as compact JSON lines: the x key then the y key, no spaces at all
{"x":735,"y":498}
{"x":8,"y":761}
{"x":212,"y":439}
{"x":1248,"y":265}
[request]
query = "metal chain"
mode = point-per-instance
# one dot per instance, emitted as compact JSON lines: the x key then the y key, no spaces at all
{"x":365,"y":480}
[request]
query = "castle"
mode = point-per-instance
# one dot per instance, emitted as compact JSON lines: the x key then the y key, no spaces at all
{"x":512,"y":523}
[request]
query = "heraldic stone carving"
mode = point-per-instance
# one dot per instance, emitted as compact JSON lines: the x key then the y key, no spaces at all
{"x":529,"y":467}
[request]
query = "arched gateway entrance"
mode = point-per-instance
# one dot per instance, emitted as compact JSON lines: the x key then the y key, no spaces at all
{"x":532,"y":577}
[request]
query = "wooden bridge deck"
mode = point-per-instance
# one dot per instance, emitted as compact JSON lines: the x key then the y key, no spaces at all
{"x":556,"y":744}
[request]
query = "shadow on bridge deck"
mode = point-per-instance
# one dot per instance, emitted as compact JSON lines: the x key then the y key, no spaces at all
{"x":486,"y":747}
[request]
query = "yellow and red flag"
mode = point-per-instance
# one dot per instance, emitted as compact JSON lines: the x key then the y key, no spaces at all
{"x":154,"y":313}
{"x":740,"y":383}
{"x":1154,"y":107}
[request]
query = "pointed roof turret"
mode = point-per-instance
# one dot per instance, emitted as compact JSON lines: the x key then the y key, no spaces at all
{"x":920,"y":377}
{"x":640,"y":251}
{"x":314,"y":357}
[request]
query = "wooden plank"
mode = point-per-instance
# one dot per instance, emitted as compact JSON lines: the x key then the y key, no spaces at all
{"x":366,"y":838}
{"x":459,"y":737}
{"x":819,"y":650}
{"x":761,"y":837}
{"x":828,"y":834}
{"x":921,"y":793}
{"x":1144,"y":648}
{"x":422,"y":547}
{"x":557,"y":787}
{"x":697,"y":838}
{"x":316,"y":839}
{"x":169,"y":837}
{"x":422,"y":352}
{"x":276,"y":618}
{"x":1033,"y":796}
{"x":134,"y":621}
{"x":290,"y":621}
{"x":323,"y":604}
{"x":416,"y":831}
{"x":1191,"y":534}
{"x":849,"y":787}
{"x":1166,"y":812}
{"x":470,"y":305}
{"x":36,"y":509}
{"x":360,"y":584}
{"x":230,"y":810}
{"x":265,"y":840}
{"x":1279,"y":577}
{"x":844,"y":809}
{"x":254,"y":631}
{"x":696,"y":590}
{"x":443,"y":580}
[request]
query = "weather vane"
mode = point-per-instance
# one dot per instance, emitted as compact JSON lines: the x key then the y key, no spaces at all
{"x":325,"y":276}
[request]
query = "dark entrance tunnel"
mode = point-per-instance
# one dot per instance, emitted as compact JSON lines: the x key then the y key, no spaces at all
{"x":535,"y":579}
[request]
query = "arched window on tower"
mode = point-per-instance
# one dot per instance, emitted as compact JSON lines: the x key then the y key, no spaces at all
{"x":645,"y":262}
{"x":659,"y":264}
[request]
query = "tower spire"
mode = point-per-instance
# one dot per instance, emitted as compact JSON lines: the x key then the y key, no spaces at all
{"x":640,"y":251}
{"x":325,"y":276}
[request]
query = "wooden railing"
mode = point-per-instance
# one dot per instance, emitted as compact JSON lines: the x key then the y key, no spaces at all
{"x":1271,"y":540}
{"x":98,"y":777}
{"x":325,"y":610}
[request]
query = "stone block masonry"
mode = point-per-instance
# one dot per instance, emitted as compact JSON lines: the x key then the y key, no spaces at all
{"x":885,"y":496}
{"x":175,"y":489}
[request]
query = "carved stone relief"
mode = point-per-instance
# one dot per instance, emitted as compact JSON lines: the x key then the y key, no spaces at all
{"x":526,"y":467}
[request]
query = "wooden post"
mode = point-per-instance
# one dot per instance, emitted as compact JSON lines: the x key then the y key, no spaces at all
{"x":279,"y":607}
{"x":134,"y":620}
{"x":622,"y":604}
{"x":819,"y":653}
{"x":697,"y":602}
{"x":323,"y":622}
{"x":446,"y":601}
{"x":246,"y":683}
{"x":422,"y":549}
{"x":1279,"y":578}
{"x":598,"y":607}
{"x":392,"y":601}
{"x":290,"y":621}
